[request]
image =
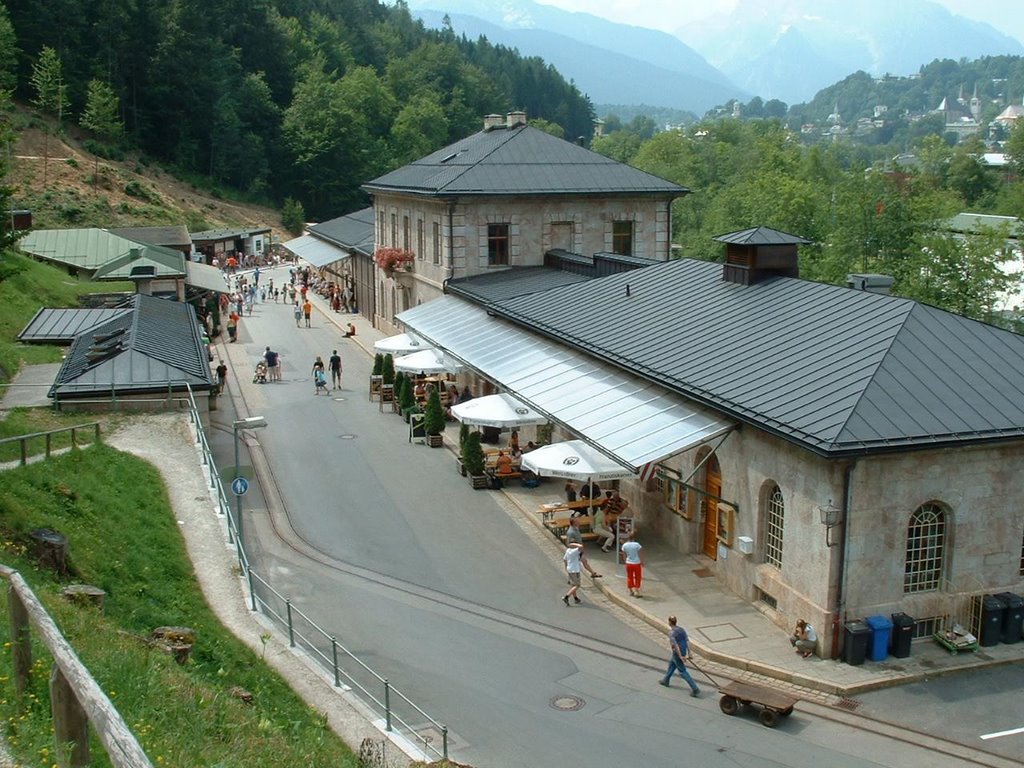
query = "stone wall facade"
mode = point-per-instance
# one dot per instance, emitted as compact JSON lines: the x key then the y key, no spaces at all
{"x":452,"y":242}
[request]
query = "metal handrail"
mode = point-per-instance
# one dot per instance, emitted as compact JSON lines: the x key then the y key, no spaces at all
{"x":48,"y":434}
{"x":287,"y":620}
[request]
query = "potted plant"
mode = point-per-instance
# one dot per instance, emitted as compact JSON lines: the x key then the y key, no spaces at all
{"x":400,"y":380}
{"x":387,"y":374}
{"x":406,"y":398}
{"x":433,"y":420}
{"x":463,"y":436}
{"x":376,"y":377}
{"x":473,"y":459}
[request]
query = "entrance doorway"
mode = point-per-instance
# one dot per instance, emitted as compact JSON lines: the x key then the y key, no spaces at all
{"x":712,"y":487}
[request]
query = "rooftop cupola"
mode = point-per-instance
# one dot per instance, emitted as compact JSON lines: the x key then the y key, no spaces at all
{"x":753,"y":255}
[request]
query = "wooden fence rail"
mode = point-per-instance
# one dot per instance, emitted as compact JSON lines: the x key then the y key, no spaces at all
{"x":76,"y":699}
{"x":23,"y":439}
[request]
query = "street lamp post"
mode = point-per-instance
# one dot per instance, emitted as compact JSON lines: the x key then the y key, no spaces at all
{"x":252,"y":422}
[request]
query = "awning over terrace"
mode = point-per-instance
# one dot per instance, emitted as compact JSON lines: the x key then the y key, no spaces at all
{"x":629,"y":419}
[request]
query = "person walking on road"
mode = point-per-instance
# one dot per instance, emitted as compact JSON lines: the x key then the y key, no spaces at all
{"x":573,"y":558}
{"x":222,"y":377}
{"x":573,"y":535}
{"x":271,"y":357}
{"x":298,"y":314}
{"x":680,"y":653}
{"x":634,"y":565}
{"x":335,"y":363}
{"x":307,"y":311}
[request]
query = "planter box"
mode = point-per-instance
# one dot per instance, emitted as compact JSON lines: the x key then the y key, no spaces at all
{"x":435,"y":441}
{"x":480,"y":482}
{"x":461,"y":467}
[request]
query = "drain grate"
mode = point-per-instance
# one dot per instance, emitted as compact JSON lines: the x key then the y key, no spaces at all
{"x":850,"y":705}
{"x":567,"y":703}
{"x":346,"y":437}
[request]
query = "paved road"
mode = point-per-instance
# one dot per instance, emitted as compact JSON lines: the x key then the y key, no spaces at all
{"x":447,"y":594}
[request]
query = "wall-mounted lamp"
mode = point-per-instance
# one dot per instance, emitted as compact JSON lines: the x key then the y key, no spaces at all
{"x":831,"y":516}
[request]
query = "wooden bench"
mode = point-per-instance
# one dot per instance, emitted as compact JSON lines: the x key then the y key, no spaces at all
{"x":559,"y":525}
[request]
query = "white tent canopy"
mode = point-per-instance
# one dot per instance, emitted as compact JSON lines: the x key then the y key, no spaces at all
{"x":426,"y":361}
{"x":574,"y":460}
{"x":402,"y":344}
{"x":501,"y":410}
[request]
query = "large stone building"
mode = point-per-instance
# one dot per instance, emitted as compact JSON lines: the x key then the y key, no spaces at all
{"x":830,"y":453}
{"x":505,"y":197}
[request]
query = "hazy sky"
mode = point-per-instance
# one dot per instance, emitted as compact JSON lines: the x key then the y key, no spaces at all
{"x":1005,"y":15}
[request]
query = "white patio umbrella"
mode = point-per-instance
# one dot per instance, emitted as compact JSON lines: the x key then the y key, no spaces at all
{"x":501,"y":410}
{"x":402,"y":344}
{"x":426,"y":361}
{"x":573,"y":460}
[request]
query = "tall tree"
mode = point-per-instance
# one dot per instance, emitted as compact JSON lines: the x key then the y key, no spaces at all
{"x":48,"y":81}
{"x":8,"y":52}
{"x":102,"y":113}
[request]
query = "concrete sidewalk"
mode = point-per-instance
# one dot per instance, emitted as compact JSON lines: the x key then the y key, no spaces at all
{"x":738,"y":639}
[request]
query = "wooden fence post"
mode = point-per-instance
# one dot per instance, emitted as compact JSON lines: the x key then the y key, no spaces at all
{"x":21,"y":642}
{"x":70,"y":723}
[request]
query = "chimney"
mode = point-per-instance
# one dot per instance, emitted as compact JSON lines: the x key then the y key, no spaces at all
{"x":516,"y":119}
{"x":493,"y":121}
{"x":757,"y":254}
{"x":880,"y":284}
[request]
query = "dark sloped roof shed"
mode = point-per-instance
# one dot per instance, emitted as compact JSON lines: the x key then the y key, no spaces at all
{"x":158,"y":344}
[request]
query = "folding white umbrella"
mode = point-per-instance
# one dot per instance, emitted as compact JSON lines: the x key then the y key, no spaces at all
{"x":501,"y":410}
{"x":402,"y":344}
{"x":573,"y":460}
{"x":426,"y":361}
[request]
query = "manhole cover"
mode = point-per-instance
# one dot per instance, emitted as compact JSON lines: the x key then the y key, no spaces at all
{"x":347,"y":437}
{"x":339,"y":399}
{"x":567,"y":703}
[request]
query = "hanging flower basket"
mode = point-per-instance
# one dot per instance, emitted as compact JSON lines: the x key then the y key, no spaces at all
{"x":394,"y":260}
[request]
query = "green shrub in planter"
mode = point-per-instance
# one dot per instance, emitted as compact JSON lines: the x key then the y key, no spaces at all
{"x":407,"y":397}
{"x":463,"y":434}
{"x":433,"y":420}
{"x":378,"y":365}
{"x":400,"y":380}
{"x":473,"y":455}
{"x":388,"y":369}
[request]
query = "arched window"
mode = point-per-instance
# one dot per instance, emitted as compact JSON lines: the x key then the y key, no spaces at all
{"x":774,"y":519}
{"x":926,"y":549}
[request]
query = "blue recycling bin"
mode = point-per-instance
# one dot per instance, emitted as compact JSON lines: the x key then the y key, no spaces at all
{"x":881,"y":628}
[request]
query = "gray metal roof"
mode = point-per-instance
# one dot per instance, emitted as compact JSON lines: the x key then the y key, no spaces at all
{"x":510,"y":283}
{"x":158,"y":343}
{"x":60,"y":326}
{"x":171,"y":237}
{"x":520,"y":161}
{"x":354,"y":231}
{"x":316,"y":251}
{"x":760,"y":236}
{"x":839,"y":371}
{"x":227,"y":234}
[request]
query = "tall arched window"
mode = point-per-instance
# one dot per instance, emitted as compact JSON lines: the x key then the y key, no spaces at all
{"x":774,"y":519}
{"x":926,"y":549}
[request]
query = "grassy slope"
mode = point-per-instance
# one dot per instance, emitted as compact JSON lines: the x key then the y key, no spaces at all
{"x":123,"y":537}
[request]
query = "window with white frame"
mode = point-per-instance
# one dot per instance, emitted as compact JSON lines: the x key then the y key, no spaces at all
{"x":774,"y":525}
{"x":420,"y":250}
{"x":405,"y":233}
{"x":437,"y":242}
{"x":394,"y":230}
{"x":926,"y":549}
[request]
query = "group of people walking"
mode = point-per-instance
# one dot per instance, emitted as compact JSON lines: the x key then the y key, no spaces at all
{"x":320,"y":375}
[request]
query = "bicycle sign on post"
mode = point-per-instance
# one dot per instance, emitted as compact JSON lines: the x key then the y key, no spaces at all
{"x":239,"y":486}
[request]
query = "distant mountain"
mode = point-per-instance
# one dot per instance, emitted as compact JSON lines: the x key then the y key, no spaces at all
{"x":789,"y":49}
{"x":611,"y":63}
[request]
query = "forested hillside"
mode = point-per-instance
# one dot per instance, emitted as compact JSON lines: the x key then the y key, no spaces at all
{"x":304,"y":99}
